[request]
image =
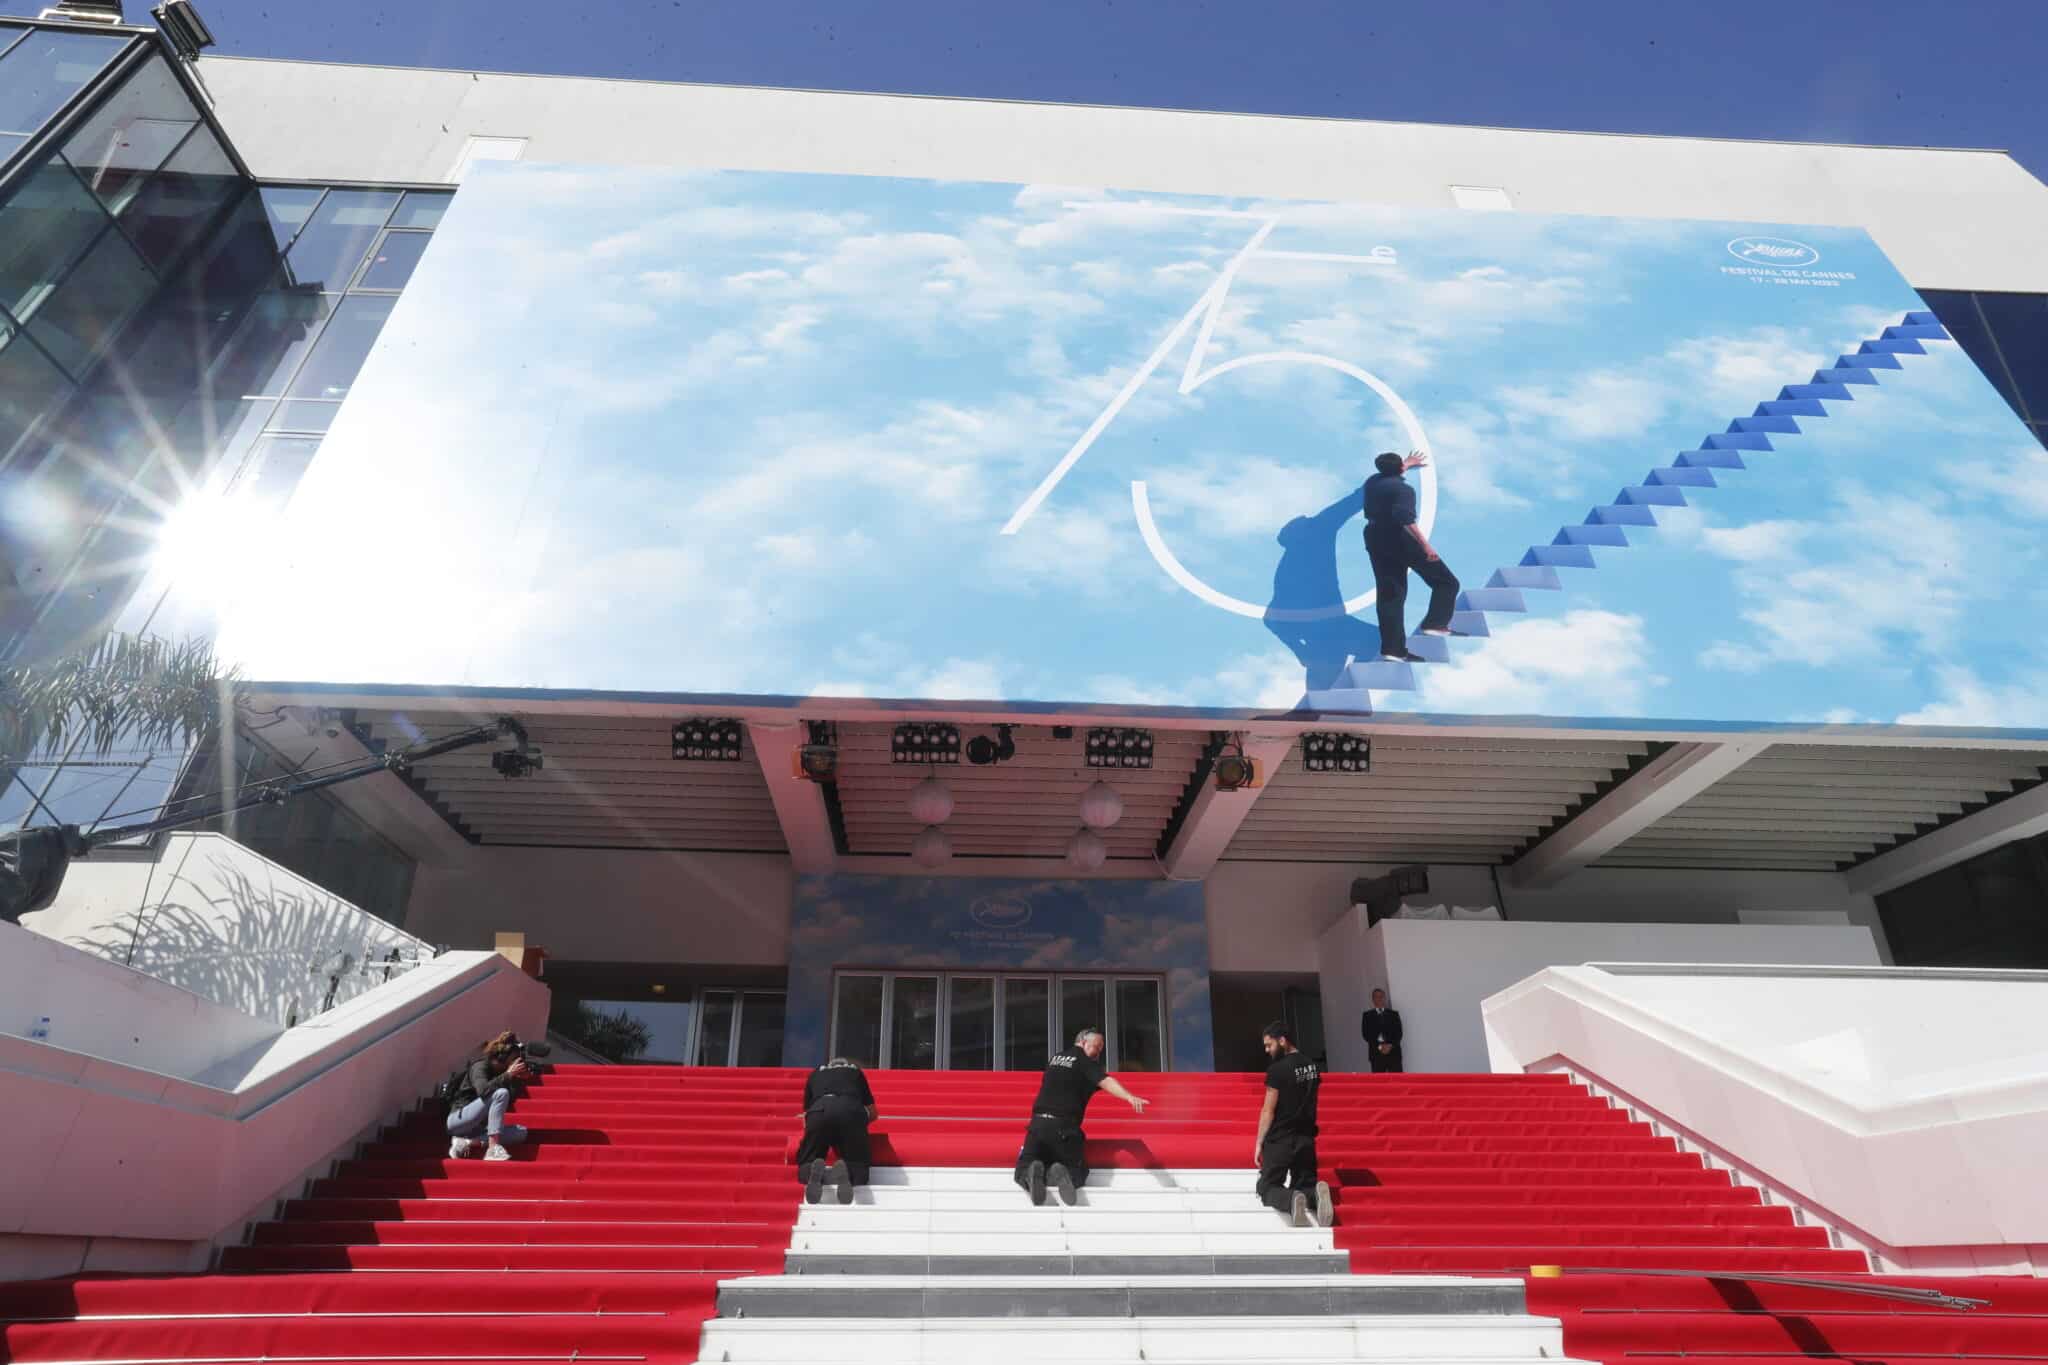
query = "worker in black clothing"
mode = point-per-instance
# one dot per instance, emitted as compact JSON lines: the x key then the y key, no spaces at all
{"x":1395,"y":544}
{"x":1381,"y":1028}
{"x":1053,"y":1141}
{"x":1285,"y":1151}
{"x":838,"y":1106}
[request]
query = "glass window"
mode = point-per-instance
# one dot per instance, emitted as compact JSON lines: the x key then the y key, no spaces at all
{"x":338,"y":356}
{"x":281,"y":327}
{"x":288,"y":207}
{"x":181,"y":199}
{"x":339,"y":234}
{"x":47,"y":224}
{"x":41,"y":72}
{"x":79,"y":316}
{"x":2019,"y":324}
{"x":714,"y":1028}
{"x":1139,"y":1035}
{"x":857,"y":1020}
{"x":761,"y":1014}
{"x":1083,"y":1004}
{"x":275,"y":467}
{"x":29,"y":387}
{"x":10,"y":143}
{"x":971,"y":1023}
{"x":667,"y":1023}
{"x":10,"y":34}
{"x":1957,"y":310}
{"x":1027,"y":1012}
{"x":132,"y":134}
{"x":914,"y":1024}
{"x":422,"y":209}
{"x":310,"y":415}
{"x":396,"y":257}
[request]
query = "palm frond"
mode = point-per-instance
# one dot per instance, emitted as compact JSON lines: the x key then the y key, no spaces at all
{"x":134,"y":690}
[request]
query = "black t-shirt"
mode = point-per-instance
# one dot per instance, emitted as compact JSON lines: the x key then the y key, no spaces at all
{"x":842,"y":1081}
{"x":1295,"y":1080}
{"x":1389,"y":506}
{"x":1070,"y":1081}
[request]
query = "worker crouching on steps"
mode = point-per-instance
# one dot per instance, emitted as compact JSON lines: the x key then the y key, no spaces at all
{"x":1054,"y":1146}
{"x":1285,"y":1151}
{"x":838,"y":1107}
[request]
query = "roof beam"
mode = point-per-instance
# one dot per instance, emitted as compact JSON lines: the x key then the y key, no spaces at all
{"x":1659,"y":787}
{"x":2016,"y":817}
{"x":799,"y":804}
{"x":1214,"y":816}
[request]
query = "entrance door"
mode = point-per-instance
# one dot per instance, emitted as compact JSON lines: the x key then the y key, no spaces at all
{"x":981,"y":1021}
{"x":740,"y":1028}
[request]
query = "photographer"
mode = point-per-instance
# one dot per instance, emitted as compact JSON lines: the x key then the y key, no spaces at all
{"x":478,"y":1099}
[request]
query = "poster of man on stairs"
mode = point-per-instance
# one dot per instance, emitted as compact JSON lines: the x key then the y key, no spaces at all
{"x":793,"y":435}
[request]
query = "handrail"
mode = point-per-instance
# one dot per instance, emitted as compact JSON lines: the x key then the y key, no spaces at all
{"x":1899,"y":1292}
{"x":1841,"y":972}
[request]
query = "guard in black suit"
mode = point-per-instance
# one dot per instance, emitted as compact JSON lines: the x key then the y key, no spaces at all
{"x":1381,"y":1028}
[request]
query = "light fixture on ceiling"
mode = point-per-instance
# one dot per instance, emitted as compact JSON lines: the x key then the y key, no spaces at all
{"x":1336,"y":753}
{"x":1086,"y":851}
{"x":982,"y":751}
{"x":931,"y":847}
{"x":1234,"y":771}
{"x":182,"y":27}
{"x":818,"y":761}
{"x":1101,"y":806}
{"x":704,"y":740}
{"x":1119,"y":748}
{"x":925,"y":742}
{"x":931,"y":802}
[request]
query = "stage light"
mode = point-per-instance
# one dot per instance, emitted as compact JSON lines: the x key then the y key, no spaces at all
{"x":1234,"y":772}
{"x":516,"y":762}
{"x":182,"y":27}
{"x":982,"y":751}
{"x":925,"y":742}
{"x":1336,"y":753}
{"x":1119,"y":749}
{"x":818,"y":761}
{"x":703,"y":740}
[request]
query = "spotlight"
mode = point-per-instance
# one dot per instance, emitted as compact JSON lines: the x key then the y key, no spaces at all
{"x":1336,"y":753}
{"x":1234,"y":772}
{"x":1119,"y":748}
{"x":703,"y":740}
{"x":818,"y":761}
{"x":917,"y":742}
{"x":982,"y":751}
{"x":182,"y":26}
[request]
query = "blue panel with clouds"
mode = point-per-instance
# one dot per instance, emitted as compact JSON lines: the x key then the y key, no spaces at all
{"x":789,"y":435}
{"x":998,"y":924}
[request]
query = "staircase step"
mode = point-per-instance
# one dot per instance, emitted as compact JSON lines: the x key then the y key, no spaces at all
{"x":1766,"y":422}
{"x":1681,"y":476}
{"x":1921,"y":318}
{"x":1893,"y":346}
{"x":1868,"y":360}
{"x":1470,"y":623}
{"x":1379,"y":675}
{"x":1623,"y":515}
{"x":1709,"y":459}
{"x":1591,"y":535}
{"x":1491,"y":599}
{"x":1852,"y":374}
{"x":1837,"y":391}
{"x":1559,"y":557}
{"x":1737,"y":440}
{"x":1656,"y":495}
{"x":1435,"y":648}
{"x":1916,"y":331}
{"x":1789,"y":408}
{"x":1539,"y":577}
{"x":943,"y":1297}
{"x":1068,"y":1263}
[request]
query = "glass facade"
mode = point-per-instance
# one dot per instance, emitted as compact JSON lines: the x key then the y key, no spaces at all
{"x":2007,"y":335}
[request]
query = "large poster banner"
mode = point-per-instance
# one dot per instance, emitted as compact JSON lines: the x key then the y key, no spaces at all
{"x":786,"y":435}
{"x":995,"y":924}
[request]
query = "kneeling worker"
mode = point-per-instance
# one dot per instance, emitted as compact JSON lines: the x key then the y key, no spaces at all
{"x":1053,"y":1141}
{"x":1286,"y":1148}
{"x":838,"y":1106}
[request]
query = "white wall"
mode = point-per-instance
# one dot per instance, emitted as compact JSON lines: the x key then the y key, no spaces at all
{"x":147,"y":1128}
{"x":601,"y":905}
{"x":1906,"y":1108}
{"x":207,"y":914}
{"x":1436,"y":972}
{"x":1951,"y":220}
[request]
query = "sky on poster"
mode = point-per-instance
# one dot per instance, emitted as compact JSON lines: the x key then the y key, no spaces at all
{"x":763,"y":433}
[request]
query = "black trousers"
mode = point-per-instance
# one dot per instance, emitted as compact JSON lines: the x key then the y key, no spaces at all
{"x":1286,"y":1165}
{"x":836,"y":1125}
{"x":1392,"y":558}
{"x":1381,"y":1063}
{"x":1055,"y":1142}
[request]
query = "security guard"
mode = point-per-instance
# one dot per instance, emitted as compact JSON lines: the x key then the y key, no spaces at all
{"x":1053,"y":1141}
{"x":1285,"y":1151}
{"x":838,"y":1107}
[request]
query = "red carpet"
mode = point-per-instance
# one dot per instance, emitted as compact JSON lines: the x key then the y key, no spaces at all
{"x":642,"y":1187}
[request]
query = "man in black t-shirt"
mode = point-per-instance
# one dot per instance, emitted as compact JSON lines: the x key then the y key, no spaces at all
{"x":1285,"y":1151}
{"x":838,"y":1106}
{"x":1053,"y":1141}
{"x":1395,"y":544}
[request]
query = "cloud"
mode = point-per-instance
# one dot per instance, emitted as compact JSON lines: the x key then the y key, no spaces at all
{"x":1587,"y":662}
{"x":1756,"y":543}
{"x":1967,"y":700}
{"x":1235,"y":496}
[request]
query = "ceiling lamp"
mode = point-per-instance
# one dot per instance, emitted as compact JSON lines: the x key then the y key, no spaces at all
{"x":920,"y":742}
{"x":931,"y":801}
{"x":1336,"y":753}
{"x":931,"y":847}
{"x":1085,"y":851}
{"x":1101,"y":806}
{"x":707,"y":741}
{"x":1119,"y":748}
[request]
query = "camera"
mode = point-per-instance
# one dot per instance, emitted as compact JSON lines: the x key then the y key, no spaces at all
{"x":531,"y":1054}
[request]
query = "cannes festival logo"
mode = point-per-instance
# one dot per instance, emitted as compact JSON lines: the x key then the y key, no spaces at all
{"x":1001,"y":912}
{"x":1772,"y":251}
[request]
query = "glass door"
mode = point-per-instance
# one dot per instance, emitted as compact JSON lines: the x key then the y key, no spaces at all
{"x":857,"y":1020}
{"x":914,"y":1024}
{"x":736,"y":1028}
{"x":1138,"y":1044}
{"x":983,"y":1021}
{"x":971,"y":1023}
{"x":1084,"y":1003}
{"x":1027,"y":1022}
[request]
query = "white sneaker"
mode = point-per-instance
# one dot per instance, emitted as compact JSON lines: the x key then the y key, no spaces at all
{"x":514,"y":1133}
{"x":497,"y":1153}
{"x":459,"y":1148}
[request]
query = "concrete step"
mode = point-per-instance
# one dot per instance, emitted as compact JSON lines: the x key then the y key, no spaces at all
{"x":1018,"y":1215}
{"x":1117,"y":1296}
{"x":1055,"y":1240}
{"x":1224,"y":1180}
{"x":1068,"y":1263}
{"x":1005,"y":1198}
{"x":1263,"y":1339}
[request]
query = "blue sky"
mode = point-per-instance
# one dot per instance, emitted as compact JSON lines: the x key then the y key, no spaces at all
{"x":1884,"y":71}
{"x":763,"y":434}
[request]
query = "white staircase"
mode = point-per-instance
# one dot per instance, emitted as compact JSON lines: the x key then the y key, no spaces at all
{"x":1161,"y":1266}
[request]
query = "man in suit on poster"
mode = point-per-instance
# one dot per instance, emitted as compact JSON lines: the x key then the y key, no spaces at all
{"x":1381,"y":1028}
